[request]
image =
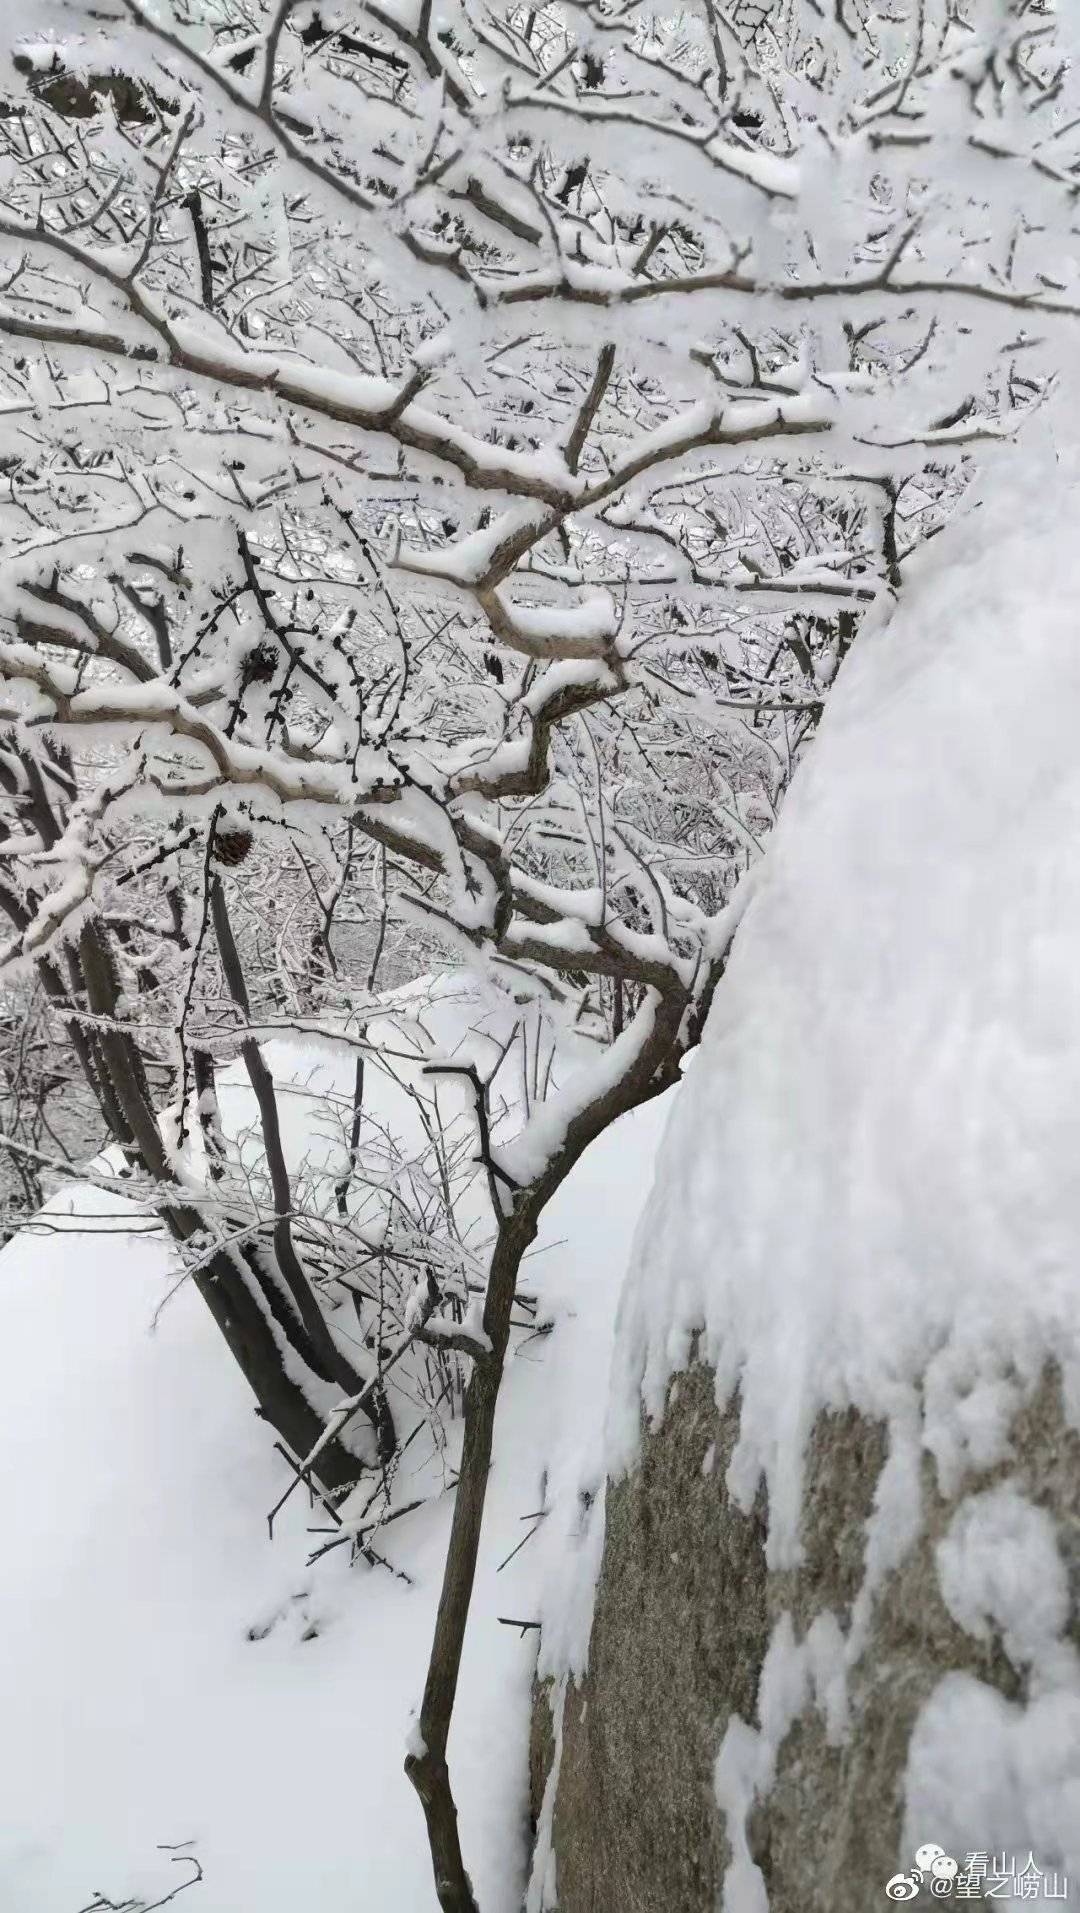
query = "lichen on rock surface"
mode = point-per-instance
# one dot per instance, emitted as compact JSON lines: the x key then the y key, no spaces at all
{"x":699,"y":1651}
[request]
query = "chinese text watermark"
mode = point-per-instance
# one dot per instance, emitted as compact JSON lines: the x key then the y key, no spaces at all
{"x":978,"y":1876}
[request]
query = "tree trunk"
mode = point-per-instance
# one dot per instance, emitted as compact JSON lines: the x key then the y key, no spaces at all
{"x":427,"y":1768}
{"x":224,"y":1285}
{"x":280,"y":1401}
{"x":651,"y":1070}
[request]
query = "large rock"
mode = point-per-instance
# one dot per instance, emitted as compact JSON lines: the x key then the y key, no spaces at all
{"x":686,"y":1614}
{"x":835,"y":1622}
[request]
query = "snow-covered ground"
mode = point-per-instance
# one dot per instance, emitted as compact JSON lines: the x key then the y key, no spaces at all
{"x":169,"y":1674}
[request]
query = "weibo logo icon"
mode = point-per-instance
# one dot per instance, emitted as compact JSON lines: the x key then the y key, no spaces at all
{"x":933,"y":1866}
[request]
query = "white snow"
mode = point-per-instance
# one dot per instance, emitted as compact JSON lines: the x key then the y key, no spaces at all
{"x":591,"y":624}
{"x":138,"y":1709}
{"x":980,"y":1761}
{"x":1000,"y":1569}
{"x":469,"y":558}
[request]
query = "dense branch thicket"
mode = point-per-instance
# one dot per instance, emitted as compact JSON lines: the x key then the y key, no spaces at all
{"x":446,"y":457}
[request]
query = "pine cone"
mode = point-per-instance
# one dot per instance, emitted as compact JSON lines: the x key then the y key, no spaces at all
{"x":231,"y":847}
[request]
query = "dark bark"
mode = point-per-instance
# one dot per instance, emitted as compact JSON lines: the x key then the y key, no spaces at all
{"x":322,"y":1351}
{"x":205,"y":1080}
{"x":428,"y":1770}
{"x":341,"y":1188}
{"x":193,"y":202}
{"x":251,"y":1341}
{"x":223,"y":1284}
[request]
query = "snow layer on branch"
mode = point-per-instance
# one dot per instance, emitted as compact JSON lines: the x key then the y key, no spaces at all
{"x":867,"y":1195}
{"x":467,"y":560}
{"x":593,"y":621}
{"x":527,"y":1157}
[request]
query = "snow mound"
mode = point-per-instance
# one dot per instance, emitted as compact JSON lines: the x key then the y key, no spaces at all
{"x":867,"y":1193}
